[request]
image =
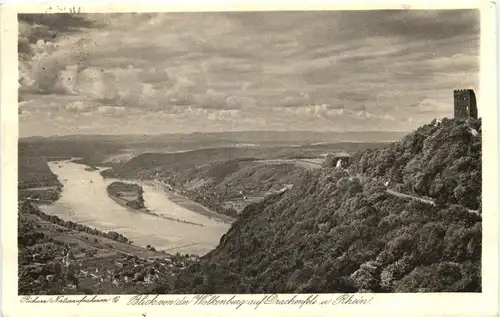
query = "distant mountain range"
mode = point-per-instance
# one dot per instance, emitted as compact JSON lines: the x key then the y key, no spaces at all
{"x":257,"y":137}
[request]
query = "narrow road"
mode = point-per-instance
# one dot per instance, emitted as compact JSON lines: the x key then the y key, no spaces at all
{"x":425,"y":200}
{"x":22,"y":200}
{"x":407,"y":196}
{"x":398,"y":194}
{"x":180,"y":247}
{"x":305,"y":163}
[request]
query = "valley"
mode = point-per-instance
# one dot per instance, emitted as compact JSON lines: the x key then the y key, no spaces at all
{"x":244,"y":212}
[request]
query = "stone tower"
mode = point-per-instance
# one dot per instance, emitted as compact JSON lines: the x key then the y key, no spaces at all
{"x":465,"y":104}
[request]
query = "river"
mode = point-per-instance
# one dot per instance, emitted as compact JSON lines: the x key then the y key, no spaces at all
{"x":84,"y":200}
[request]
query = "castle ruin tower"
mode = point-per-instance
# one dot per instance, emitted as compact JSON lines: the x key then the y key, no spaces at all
{"x":465,"y":104}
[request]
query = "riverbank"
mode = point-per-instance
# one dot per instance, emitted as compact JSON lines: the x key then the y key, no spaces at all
{"x":130,"y":196}
{"x":43,"y":195}
{"x":31,"y":208}
{"x":180,"y":198}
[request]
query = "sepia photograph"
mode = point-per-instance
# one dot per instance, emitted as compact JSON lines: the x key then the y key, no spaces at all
{"x":252,"y":152}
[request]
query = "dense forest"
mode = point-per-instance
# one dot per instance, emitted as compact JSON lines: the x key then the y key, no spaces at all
{"x":441,"y":160}
{"x":335,"y":232}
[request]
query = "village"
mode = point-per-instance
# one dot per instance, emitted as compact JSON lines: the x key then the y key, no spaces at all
{"x":55,"y":260}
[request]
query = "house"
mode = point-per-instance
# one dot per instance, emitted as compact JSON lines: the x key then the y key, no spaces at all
{"x":338,"y":160}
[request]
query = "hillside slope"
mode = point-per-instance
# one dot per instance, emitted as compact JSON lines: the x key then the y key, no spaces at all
{"x":226,"y":180}
{"x":229,"y":186}
{"x":149,"y":165}
{"x":441,"y":160}
{"x":33,"y":170}
{"x":337,"y":233}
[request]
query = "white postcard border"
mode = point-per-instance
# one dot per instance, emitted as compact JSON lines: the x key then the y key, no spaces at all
{"x":442,"y":304}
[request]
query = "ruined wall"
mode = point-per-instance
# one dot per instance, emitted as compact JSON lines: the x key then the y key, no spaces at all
{"x":465,"y":104}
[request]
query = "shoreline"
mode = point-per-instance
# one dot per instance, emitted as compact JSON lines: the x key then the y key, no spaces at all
{"x":146,"y":211}
{"x":183,"y":201}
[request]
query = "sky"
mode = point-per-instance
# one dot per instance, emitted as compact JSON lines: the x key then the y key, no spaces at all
{"x":236,"y":71}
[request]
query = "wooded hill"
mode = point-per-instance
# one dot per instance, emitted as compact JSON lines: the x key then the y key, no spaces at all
{"x":441,"y":160}
{"x":33,"y":170}
{"x":333,"y":232}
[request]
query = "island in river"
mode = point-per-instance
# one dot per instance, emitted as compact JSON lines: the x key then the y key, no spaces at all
{"x":129,"y":195}
{"x":91,"y":168}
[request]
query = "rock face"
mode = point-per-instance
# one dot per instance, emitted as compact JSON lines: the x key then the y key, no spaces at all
{"x":127,"y":194}
{"x":339,"y":230}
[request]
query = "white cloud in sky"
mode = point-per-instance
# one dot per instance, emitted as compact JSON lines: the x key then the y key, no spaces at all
{"x":214,"y":71}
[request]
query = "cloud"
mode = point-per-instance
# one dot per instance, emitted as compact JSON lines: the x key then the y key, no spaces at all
{"x":57,"y":23}
{"x":79,"y":106}
{"x":292,"y":100}
{"x":213,"y":99}
{"x":223,"y":115}
{"x":23,"y":113}
{"x":111,"y":110}
{"x":428,"y":105}
{"x":262,"y":69}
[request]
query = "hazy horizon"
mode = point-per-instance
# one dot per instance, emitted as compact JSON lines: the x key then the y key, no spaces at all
{"x":181,"y":73}
{"x":215,"y":132}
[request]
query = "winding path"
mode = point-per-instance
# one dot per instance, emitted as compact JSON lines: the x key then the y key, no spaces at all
{"x":394,"y":193}
{"x":425,"y":200}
